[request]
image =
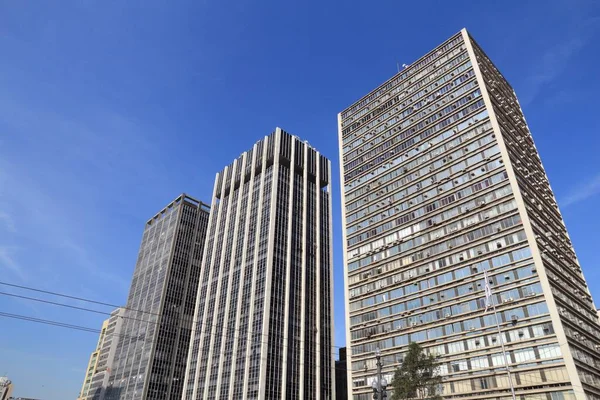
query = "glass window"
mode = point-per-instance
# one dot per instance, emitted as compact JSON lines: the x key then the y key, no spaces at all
{"x":459,"y":365}
{"x":550,"y":351}
{"x":418,"y":336}
{"x":479,"y":362}
{"x":524,"y":355}
{"x":435,"y":333}
{"x":497,"y":360}
{"x":416,"y":303}
{"x":455,"y":347}
{"x":530,"y":377}
{"x":537,"y":309}
{"x":398,"y":308}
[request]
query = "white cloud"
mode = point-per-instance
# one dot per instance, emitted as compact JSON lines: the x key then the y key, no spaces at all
{"x":555,"y":60}
{"x":78,"y":159}
{"x":582,"y":192}
{"x":8,"y":262}
{"x":83,"y":260}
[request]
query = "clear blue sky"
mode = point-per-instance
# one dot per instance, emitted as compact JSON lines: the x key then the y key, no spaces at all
{"x":110,"y":109}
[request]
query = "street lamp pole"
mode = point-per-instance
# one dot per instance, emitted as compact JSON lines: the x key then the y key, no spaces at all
{"x":378,"y":357}
{"x":489,"y":302}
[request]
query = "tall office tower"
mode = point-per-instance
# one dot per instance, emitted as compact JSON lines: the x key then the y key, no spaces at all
{"x":151,"y":354}
{"x":93,"y":361}
{"x":264,"y":309}
{"x":107,"y":345}
{"x":341,"y":376}
{"x":441,"y":183}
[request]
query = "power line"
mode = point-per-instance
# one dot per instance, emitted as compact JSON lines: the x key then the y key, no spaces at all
{"x":98,"y":331}
{"x":54,"y":303}
{"x":48,"y":322}
{"x":93,"y":330}
{"x":188,"y":319}
{"x":59,"y":294}
{"x":248,"y":356}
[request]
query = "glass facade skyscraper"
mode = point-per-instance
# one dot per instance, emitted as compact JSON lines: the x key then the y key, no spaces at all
{"x":152,"y":351}
{"x":263,"y":319}
{"x":442,"y":182}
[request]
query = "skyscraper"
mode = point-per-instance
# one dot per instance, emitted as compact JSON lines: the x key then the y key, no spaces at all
{"x":6,"y":388}
{"x":107,"y":346}
{"x":263,"y":319}
{"x":341,"y":376}
{"x":441,"y":183}
{"x":151,"y":354}
{"x":93,"y":361}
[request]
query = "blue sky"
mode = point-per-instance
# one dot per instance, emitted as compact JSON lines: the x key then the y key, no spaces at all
{"x":110,"y":109}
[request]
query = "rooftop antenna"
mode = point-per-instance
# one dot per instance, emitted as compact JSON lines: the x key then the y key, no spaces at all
{"x":398,"y":66}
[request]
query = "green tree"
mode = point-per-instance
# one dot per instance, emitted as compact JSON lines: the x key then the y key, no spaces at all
{"x":418,"y":376}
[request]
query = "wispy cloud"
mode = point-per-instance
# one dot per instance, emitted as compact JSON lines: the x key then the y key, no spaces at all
{"x":555,"y":60}
{"x":55,"y":196}
{"x":583,"y":192}
{"x":82,"y":257}
{"x":8,"y":262}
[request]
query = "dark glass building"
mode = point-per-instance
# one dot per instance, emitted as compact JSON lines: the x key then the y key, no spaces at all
{"x":341,"y":376}
{"x":263,"y":322}
{"x":442,"y":183}
{"x":152,"y":351}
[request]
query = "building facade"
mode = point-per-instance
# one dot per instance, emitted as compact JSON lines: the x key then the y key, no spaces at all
{"x":22,"y":398}
{"x":341,"y":376}
{"x":110,"y":335}
{"x":442,"y":181}
{"x":6,"y":388}
{"x":152,"y":350}
{"x":263,"y":319}
{"x":93,"y":361}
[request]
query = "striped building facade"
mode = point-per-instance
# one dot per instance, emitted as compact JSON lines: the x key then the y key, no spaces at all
{"x":263,"y":319}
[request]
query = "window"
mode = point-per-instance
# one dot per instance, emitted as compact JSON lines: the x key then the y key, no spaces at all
{"x":457,"y":366}
{"x":462,"y":386}
{"x":567,"y":395}
{"x":524,"y":355}
{"x":401,"y":340}
{"x":479,"y":362}
{"x":482,"y":383}
{"x":418,"y":336}
{"x":530,"y":377}
{"x":497,"y":360}
{"x":455,"y":347}
{"x":550,"y":351}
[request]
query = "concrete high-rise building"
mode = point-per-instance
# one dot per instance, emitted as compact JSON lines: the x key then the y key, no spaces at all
{"x":152,"y":351}
{"x":6,"y":388}
{"x":441,"y":182}
{"x":110,"y":335}
{"x":93,"y":361}
{"x":264,"y":309}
